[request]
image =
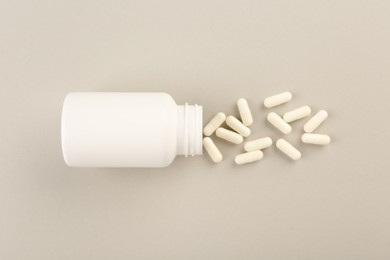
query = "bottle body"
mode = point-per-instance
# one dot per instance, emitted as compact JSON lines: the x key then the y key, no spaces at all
{"x":120,"y":129}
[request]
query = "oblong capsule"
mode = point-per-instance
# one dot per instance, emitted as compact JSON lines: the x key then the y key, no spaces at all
{"x":279,"y":123}
{"x":288,"y":149}
{"x":319,"y":139}
{"x":237,"y":126}
{"x":248,"y":157}
{"x":277,"y":99}
{"x":214,"y":123}
{"x":315,"y":121}
{"x":212,"y":150}
{"x":245,"y":112}
{"x":258,"y":144}
{"x":297,"y":114}
{"x":229,"y":136}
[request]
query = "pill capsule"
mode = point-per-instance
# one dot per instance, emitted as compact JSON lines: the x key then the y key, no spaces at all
{"x":214,"y":123}
{"x":296,"y":114}
{"x":258,"y":144}
{"x":248,"y":157}
{"x":229,"y":136}
{"x":288,"y":149}
{"x":237,"y":126}
{"x":315,"y":121}
{"x":279,"y":123}
{"x":245,"y":112}
{"x":212,"y":150}
{"x":318,"y":139}
{"x":277,"y":99}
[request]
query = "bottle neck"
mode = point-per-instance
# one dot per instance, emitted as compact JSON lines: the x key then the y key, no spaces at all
{"x":189,"y":131}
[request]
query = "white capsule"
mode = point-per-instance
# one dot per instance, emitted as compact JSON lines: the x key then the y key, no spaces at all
{"x":212,"y":150}
{"x":214,"y":123}
{"x":229,"y":136}
{"x":245,"y":112}
{"x":248,"y":157}
{"x":288,"y":149}
{"x":297,"y":114}
{"x":315,"y":121}
{"x":318,"y":139}
{"x":258,"y":144}
{"x":277,"y":99}
{"x":279,"y":123}
{"x":237,"y":126}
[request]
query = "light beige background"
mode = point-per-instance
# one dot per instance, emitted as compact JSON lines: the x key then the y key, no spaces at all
{"x":332,"y":204}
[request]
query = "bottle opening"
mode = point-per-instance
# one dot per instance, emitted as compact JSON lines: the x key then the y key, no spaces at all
{"x":190,"y":123}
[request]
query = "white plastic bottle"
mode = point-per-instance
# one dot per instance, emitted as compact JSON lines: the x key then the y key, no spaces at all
{"x":121,"y":129}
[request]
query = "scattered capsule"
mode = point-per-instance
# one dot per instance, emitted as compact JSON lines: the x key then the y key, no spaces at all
{"x":258,"y":144}
{"x":277,"y":99}
{"x":229,"y":136}
{"x":245,"y":112}
{"x":237,"y":126}
{"x":315,"y":121}
{"x":248,"y":157}
{"x":288,"y":149}
{"x":318,"y":139}
{"x":214,"y":123}
{"x":297,"y":114}
{"x":279,"y":123}
{"x":212,"y":150}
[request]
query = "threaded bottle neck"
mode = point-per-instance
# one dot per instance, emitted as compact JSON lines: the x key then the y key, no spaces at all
{"x":189,"y":131}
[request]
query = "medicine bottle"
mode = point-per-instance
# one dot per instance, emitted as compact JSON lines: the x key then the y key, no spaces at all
{"x":122,"y":129}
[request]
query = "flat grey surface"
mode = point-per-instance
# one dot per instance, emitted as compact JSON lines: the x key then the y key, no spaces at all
{"x":332,"y":204}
